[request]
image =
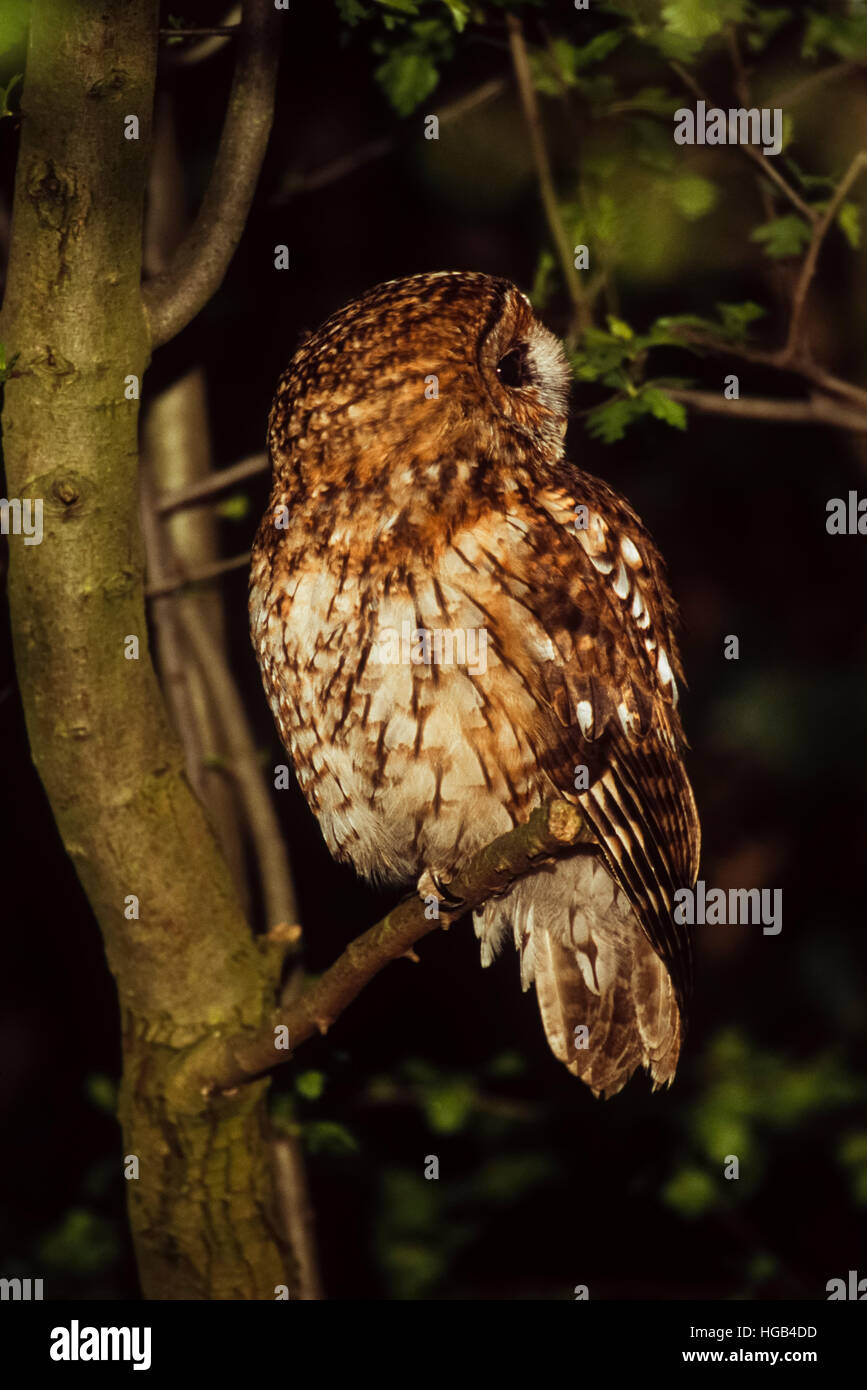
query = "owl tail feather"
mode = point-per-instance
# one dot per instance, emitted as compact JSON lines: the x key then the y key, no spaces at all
{"x":607,"y":1004}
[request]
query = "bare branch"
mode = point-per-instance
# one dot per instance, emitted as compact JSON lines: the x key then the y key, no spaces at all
{"x":222,"y":1064}
{"x":794,"y":347}
{"x":819,"y":410}
{"x":781,"y":361}
{"x":766,"y":165}
{"x":172,"y":299}
{"x":530,"y":106}
{"x":790,"y":96}
{"x":242,"y":759}
{"x":212,"y":40}
{"x":221,"y":30}
{"x":296,"y":1212}
{"x":292,"y":184}
{"x":198,"y":576}
{"x":205,"y":489}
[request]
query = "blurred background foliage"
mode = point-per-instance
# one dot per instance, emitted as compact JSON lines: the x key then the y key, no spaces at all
{"x":540,"y":1187}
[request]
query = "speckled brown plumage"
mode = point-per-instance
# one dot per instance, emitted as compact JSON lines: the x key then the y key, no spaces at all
{"x":455,"y":512}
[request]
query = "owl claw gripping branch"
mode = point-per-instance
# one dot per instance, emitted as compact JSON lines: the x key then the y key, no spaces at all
{"x":421,"y":488}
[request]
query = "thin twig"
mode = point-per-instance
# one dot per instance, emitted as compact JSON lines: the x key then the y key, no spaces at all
{"x":779,"y":276}
{"x":222,"y":1064}
{"x":819,"y":410}
{"x":779,"y":359}
{"x":765,"y":164}
{"x":293,"y":184}
{"x":187,"y":55}
{"x":530,"y":106}
{"x":172,"y":299}
{"x":296,"y":1212}
{"x":790,"y":96}
{"x":242,"y":759}
{"x":199,"y":576}
{"x":794,"y":348}
{"x":205,"y":489}
{"x":220,"y":30}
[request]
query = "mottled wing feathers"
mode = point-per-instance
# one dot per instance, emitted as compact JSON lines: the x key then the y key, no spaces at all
{"x":618,"y":683}
{"x":608,"y":682}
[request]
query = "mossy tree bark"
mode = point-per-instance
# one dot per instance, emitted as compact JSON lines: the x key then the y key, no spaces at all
{"x":188,"y":968}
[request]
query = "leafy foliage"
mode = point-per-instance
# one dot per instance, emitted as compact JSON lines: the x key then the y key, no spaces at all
{"x":783,"y":236}
{"x":6,"y":92}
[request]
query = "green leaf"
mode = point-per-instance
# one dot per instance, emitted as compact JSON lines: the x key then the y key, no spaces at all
{"x":600,"y":352}
{"x":448,"y":1105}
{"x":6,"y":367}
{"x":507,"y":1065}
{"x":557,"y":67}
{"x":234,"y":508}
{"x":407,"y":77}
{"x":809,"y":182}
{"x":5,"y":109}
{"x":596,"y":49}
{"x":608,"y":422}
{"x":14,"y":21}
{"x":352,"y":12}
{"x":694,"y":195}
{"x":544,"y":280}
{"x":691,"y":1192}
{"x":460,"y":13}
{"x":842,"y":34}
{"x":310,"y":1084}
{"x":657,"y":100}
{"x":403,"y":6}
{"x":619,"y":329}
{"x":662,"y":407}
{"x":327,"y":1137}
{"x":701,"y":19}
{"x":81,"y":1243}
{"x":849,"y":222}
{"x":763,"y":24}
{"x":736,"y":318}
{"x":783,"y":236}
{"x":102,"y":1092}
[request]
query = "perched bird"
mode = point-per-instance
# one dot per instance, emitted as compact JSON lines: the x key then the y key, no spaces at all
{"x":455,"y":623}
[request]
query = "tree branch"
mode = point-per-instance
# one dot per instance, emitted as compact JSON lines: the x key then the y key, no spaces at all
{"x":221,"y":1065}
{"x":765,"y":164}
{"x":204,"y":489}
{"x":780,"y":359}
{"x":242,"y":756}
{"x":819,"y":410}
{"x":198,"y":576}
{"x":293,"y":184}
{"x":530,"y":106}
{"x":789,"y":96}
{"x":172,"y":299}
{"x":794,"y":348}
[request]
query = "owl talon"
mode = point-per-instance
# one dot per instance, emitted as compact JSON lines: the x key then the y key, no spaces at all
{"x":430,"y":885}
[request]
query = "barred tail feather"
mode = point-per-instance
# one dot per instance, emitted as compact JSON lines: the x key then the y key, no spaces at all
{"x":592,"y":965}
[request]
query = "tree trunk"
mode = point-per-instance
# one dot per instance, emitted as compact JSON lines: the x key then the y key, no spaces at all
{"x":202,"y":1206}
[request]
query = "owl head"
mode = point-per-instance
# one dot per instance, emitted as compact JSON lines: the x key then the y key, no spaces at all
{"x":422,"y":391}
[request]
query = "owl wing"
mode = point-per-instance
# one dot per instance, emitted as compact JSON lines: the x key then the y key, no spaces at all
{"x":611,"y":688}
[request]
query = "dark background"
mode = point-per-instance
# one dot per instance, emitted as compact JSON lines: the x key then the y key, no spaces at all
{"x":542,"y":1187}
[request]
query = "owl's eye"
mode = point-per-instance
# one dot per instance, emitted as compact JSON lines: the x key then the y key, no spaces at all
{"x":513,"y":369}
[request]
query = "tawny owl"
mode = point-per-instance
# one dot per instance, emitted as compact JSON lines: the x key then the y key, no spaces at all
{"x":447,"y":640}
